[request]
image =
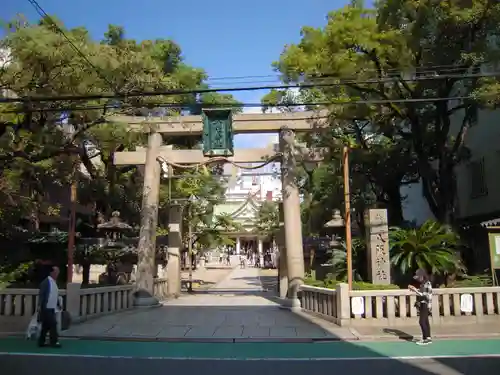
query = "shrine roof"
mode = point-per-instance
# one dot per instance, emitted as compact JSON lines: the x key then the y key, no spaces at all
{"x":240,"y":210}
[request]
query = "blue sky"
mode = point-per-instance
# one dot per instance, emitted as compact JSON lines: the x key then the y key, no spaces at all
{"x":227,"y":38}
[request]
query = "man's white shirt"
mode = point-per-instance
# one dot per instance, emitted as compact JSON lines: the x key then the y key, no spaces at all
{"x":53,"y":294}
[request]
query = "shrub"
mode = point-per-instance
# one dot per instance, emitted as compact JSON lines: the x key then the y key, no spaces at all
{"x":356,"y":285}
{"x":471,"y":282}
{"x":361,"y":285}
{"x":313,"y":282}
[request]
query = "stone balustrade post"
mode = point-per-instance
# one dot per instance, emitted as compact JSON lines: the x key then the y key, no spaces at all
{"x":73,"y":301}
{"x":343,"y":304}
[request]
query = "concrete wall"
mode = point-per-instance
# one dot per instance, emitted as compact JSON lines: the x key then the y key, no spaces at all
{"x":483,"y":140}
{"x":415,"y":206}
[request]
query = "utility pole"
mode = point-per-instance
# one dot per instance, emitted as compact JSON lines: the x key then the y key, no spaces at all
{"x":347,"y":207}
{"x":190,"y":259}
{"x":71,"y":232}
{"x":190,"y":244}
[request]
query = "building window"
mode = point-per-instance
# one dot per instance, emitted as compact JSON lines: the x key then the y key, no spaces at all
{"x":477,"y":179}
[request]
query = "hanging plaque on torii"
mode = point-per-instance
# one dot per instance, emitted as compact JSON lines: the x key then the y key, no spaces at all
{"x":217,"y":132}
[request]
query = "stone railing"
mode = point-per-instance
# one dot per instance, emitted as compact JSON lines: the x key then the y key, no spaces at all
{"x":320,"y":301}
{"x":21,"y":302}
{"x":19,"y":305}
{"x":160,"y":289}
{"x":397,"y":307}
{"x":88,"y":303}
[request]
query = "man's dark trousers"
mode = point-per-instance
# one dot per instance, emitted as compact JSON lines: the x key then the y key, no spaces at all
{"x":49,"y":325}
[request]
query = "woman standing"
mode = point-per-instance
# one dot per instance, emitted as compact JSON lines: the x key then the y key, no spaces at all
{"x":424,"y":304}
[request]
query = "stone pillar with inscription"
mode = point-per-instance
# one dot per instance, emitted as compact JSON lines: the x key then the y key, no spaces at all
{"x":377,"y":245}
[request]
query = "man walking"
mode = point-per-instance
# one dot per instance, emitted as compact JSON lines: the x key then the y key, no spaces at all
{"x":48,"y":301}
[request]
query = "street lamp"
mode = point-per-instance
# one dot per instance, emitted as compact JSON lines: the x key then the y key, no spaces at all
{"x":191,"y":200}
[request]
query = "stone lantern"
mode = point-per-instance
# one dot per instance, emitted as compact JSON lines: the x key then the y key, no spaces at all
{"x":335,"y":227}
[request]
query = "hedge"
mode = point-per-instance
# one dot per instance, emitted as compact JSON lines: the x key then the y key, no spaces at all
{"x":356,"y":285}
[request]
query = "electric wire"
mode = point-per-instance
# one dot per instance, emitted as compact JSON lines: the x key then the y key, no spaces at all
{"x":418,"y":69}
{"x":340,"y":82}
{"x":249,"y":105}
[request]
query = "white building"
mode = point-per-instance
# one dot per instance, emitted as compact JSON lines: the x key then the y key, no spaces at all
{"x":246,"y":191}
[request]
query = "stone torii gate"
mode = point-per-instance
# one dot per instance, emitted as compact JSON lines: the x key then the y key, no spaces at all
{"x":221,"y":125}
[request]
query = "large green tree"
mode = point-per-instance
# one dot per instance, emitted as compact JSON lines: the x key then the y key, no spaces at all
{"x":41,"y":141}
{"x":47,"y":143}
{"x":392,"y":68}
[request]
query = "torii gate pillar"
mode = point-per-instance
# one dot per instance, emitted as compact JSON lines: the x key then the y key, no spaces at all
{"x":144,"y":296}
{"x":292,"y":219}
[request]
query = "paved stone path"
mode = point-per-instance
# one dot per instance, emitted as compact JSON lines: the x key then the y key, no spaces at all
{"x":206,"y":277}
{"x":237,"y":308}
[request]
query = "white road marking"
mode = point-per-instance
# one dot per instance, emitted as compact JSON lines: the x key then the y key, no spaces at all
{"x":402,"y":358}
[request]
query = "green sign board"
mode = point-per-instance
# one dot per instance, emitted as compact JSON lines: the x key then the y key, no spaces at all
{"x":217,"y":132}
{"x":494,"y":239}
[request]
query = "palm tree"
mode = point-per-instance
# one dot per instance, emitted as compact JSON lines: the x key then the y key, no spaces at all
{"x":433,"y":246}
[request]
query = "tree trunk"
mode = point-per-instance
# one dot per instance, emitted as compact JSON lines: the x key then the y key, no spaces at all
{"x":86,"y":273}
{"x":394,"y":205}
{"x":439,"y":190}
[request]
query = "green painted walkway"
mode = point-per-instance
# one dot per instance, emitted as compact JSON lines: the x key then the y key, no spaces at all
{"x":340,"y":350}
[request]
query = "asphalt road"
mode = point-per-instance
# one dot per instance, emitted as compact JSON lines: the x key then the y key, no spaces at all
{"x":78,"y":365}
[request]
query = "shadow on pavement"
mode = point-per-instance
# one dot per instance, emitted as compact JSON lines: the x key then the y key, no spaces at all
{"x":399,"y":334}
{"x":197,"y":283}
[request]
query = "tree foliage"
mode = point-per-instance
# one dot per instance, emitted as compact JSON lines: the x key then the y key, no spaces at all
{"x":47,"y":145}
{"x":392,"y":70}
{"x":267,"y":219}
{"x":199,"y":194}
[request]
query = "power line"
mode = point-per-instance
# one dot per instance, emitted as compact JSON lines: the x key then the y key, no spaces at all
{"x":327,"y":77}
{"x":44,"y":14}
{"x":248,"y":105}
{"x":390,"y":71}
{"x":339,"y":82}
{"x":330,"y":77}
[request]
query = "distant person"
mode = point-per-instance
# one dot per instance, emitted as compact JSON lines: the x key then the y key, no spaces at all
{"x":48,"y":303}
{"x":423,"y":304}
